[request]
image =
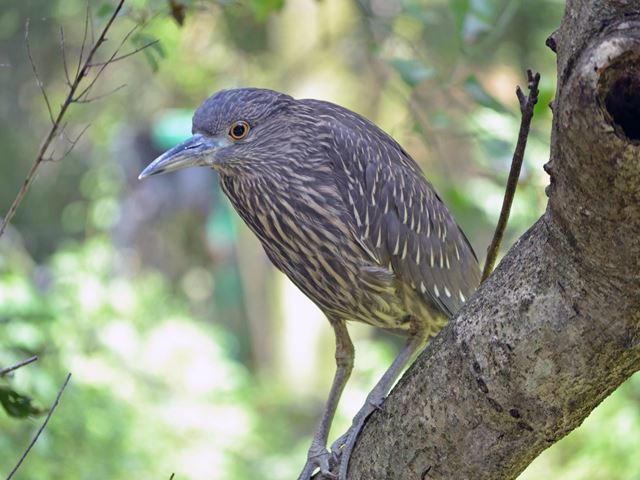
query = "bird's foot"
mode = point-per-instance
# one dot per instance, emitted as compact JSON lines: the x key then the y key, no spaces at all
{"x":318,"y":457}
{"x":341,"y":449}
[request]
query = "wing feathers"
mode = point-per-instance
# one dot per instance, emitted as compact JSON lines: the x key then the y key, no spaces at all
{"x":398,"y":216}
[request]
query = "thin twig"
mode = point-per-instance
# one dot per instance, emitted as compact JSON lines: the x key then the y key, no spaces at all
{"x":64,"y":57}
{"x":42,"y":427}
{"x":93,"y":33}
{"x":122,"y":57}
{"x":101,"y":96}
{"x":63,"y":130}
{"x":21,"y":364}
{"x":104,"y":64}
{"x":35,"y":72}
{"x":84,"y":39}
{"x":72,"y":143}
{"x":63,"y":133}
{"x":55,"y":128}
{"x":527,"y":104}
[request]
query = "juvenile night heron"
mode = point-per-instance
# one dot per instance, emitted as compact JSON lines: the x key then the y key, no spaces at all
{"x":347,"y":215}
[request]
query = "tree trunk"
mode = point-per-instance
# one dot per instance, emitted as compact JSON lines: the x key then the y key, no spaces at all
{"x":556,"y":328}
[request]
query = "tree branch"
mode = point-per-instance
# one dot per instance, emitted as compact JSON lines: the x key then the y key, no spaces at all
{"x":556,"y":328}
{"x":75,"y":85}
{"x":18,"y":365}
{"x":42,"y":427}
{"x":527,"y":104}
{"x":126,"y":55}
{"x":103,"y":65}
{"x":64,"y":58}
{"x":35,"y":73}
{"x":81,"y":72}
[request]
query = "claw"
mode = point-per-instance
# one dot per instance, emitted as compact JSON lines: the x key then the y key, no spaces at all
{"x":378,"y":405}
{"x":336,"y":447}
{"x":318,"y":457}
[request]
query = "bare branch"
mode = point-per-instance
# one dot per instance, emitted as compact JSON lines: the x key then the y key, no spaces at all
{"x":63,"y":133}
{"x":101,"y":96}
{"x":84,"y":40}
{"x":527,"y":104}
{"x":55,"y":128}
{"x":104,"y":64}
{"x":64,"y":58}
{"x":73,"y":142}
{"x":21,"y":364}
{"x":35,"y":71}
{"x":42,"y":427}
{"x":126,"y":55}
{"x":93,"y":33}
{"x":63,"y":129}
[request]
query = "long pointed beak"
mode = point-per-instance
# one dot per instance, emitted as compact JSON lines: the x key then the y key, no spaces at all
{"x":196,"y":151}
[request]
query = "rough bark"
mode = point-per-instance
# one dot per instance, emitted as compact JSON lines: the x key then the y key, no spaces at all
{"x":556,"y":328}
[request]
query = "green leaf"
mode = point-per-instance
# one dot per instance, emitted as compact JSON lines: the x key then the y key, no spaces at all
{"x":158,"y":49}
{"x":16,"y":404}
{"x":476,"y":91}
{"x":151,"y":59}
{"x":411,"y":71}
{"x":141,"y":39}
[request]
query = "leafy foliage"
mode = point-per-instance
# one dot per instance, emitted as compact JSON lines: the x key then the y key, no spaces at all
{"x":16,"y":404}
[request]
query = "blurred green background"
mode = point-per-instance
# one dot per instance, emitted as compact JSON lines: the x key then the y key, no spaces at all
{"x":189,"y":352}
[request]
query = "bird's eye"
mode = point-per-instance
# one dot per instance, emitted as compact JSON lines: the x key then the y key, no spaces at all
{"x":239,"y":130}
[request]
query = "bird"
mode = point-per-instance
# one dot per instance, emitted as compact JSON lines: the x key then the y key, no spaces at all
{"x":348,"y":215}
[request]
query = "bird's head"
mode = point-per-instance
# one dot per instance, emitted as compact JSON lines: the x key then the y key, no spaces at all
{"x":233,"y":130}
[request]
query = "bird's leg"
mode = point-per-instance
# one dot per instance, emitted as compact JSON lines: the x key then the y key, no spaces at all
{"x":318,"y":455}
{"x":343,"y":446}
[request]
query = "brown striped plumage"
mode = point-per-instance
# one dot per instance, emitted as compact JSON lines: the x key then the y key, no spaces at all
{"x":344,"y":212}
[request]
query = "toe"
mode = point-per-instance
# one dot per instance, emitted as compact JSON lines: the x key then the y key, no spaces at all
{"x":307,"y":471}
{"x":319,"y":457}
{"x":336,"y":446}
{"x":325,"y":468}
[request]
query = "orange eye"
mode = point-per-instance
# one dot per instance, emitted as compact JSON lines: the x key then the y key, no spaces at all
{"x":239,"y":130}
